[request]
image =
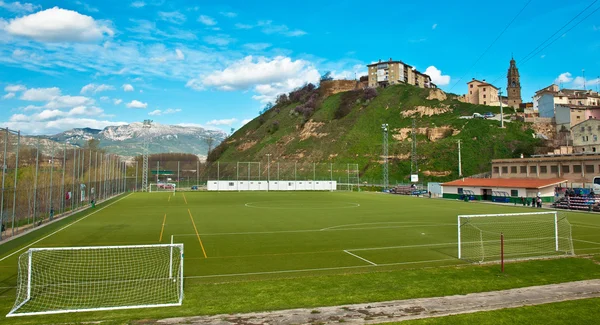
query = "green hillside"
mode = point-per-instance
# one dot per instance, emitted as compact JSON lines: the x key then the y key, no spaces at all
{"x":346,"y":128}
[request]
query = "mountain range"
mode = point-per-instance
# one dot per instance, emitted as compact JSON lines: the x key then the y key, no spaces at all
{"x":127,"y":140}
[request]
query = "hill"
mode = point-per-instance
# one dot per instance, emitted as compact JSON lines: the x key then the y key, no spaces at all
{"x":305,"y":126}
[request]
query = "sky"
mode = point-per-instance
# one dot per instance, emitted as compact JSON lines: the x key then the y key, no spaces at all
{"x":215,"y":64}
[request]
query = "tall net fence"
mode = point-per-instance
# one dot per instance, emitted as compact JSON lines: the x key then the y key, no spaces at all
{"x":188,"y":174}
{"x":43,"y":180}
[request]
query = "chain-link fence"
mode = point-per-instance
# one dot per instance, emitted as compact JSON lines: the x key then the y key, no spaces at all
{"x":43,"y":180}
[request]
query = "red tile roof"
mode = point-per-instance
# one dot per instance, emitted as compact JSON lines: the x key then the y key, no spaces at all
{"x":506,"y":182}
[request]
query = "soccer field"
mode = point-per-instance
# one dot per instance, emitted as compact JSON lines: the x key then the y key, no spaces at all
{"x":242,"y":236}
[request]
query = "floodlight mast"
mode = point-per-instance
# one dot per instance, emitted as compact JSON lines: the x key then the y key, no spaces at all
{"x":147,"y":125}
{"x":385,"y":128}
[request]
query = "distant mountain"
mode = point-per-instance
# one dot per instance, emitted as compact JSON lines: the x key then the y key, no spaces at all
{"x":127,"y":140}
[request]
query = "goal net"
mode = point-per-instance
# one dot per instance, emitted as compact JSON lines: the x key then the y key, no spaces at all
{"x":162,"y":187}
{"x":526,"y":236}
{"x":76,"y":279}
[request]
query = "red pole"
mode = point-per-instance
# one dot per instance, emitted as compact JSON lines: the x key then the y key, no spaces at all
{"x":502,"y":251}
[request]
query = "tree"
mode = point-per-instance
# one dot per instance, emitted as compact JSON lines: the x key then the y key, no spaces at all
{"x":92,"y":144}
{"x":327,"y":76}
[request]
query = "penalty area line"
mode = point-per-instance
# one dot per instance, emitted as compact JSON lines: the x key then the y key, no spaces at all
{"x":197,"y":234}
{"x":63,"y":228}
{"x":360,"y":258}
{"x":163,"y":227}
{"x":184,"y":197}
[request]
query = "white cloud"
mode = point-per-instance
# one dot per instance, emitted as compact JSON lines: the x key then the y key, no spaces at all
{"x":18,"y":7}
{"x":434,"y":26}
{"x":207,"y":20}
{"x":158,"y":112}
{"x":127,"y":87}
{"x":257,"y":46}
{"x":68,"y":101}
{"x":563,"y":78}
{"x":245,"y":121}
{"x":15,"y":88}
{"x":180,"y":55}
{"x":59,"y":25}
{"x":542,"y":56}
{"x":138,"y":4}
{"x":579,"y":82}
{"x":174,"y":17}
{"x":40,"y":94}
{"x":93,"y":88}
{"x":105,"y":98}
{"x":29,"y":125}
{"x":269,"y":28}
{"x":228,"y":14}
{"x":9,"y":96}
{"x":117,"y":101}
{"x":136,"y":104}
{"x":437,"y":77}
{"x":220,"y":40}
{"x":267,"y":77}
{"x":229,"y":121}
{"x":357,"y":71}
{"x":243,"y":26}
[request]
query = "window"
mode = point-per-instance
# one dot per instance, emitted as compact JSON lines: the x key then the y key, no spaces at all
{"x":589,"y":168}
{"x":595,"y":137}
{"x":554,"y":169}
{"x":460,"y":190}
{"x":471,"y":93}
{"x":589,"y":128}
{"x":582,"y":129}
{"x":578,"y":117}
{"x":593,"y":149}
{"x":576,"y":168}
{"x":533,"y":169}
{"x":290,"y":183}
{"x":484,"y":96}
{"x":483,"y":89}
{"x":583,"y":138}
{"x":514,"y":193}
{"x":471,"y":85}
{"x":484,"y":102}
{"x":513,"y":169}
{"x":504,"y":170}
{"x":496,"y":170}
{"x":565,"y":169}
{"x":523,"y":169}
{"x":231,"y":184}
{"x":544,"y":169}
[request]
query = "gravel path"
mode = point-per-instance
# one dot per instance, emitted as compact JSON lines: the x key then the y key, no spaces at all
{"x":399,"y":310}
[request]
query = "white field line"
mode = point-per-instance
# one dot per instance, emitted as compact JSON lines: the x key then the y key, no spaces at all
{"x":63,"y":228}
{"x":585,"y":226}
{"x":320,"y":269}
{"x":383,"y":223}
{"x":360,"y":258}
{"x":250,"y":205}
{"x":311,"y":230}
{"x":586,"y":241}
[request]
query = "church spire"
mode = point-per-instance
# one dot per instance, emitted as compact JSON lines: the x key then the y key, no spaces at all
{"x":513,"y":87}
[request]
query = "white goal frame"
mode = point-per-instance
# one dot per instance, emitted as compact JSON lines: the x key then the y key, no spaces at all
{"x":165,"y":191}
{"x":524,"y":214}
{"x":14,"y":311}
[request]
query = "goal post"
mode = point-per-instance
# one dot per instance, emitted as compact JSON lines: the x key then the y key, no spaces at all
{"x":525,"y":236}
{"x":162,"y":187}
{"x":95,"y":278}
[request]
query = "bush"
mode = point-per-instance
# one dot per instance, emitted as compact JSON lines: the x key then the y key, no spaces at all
{"x":274,"y":127}
{"x":347,"y":101}
{"x":369,"y":93}
{"x":214,"y":154}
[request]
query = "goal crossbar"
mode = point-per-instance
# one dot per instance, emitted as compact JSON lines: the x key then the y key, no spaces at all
{"x":98,"y":278}
{"x":529,"y":234}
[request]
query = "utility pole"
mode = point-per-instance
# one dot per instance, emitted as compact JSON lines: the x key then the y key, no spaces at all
{"x":459,"y":161}
{"x":386,"y":181}
{"x":414,"y":165}
{"x":583,"y":74}
{"x":501,"y":111}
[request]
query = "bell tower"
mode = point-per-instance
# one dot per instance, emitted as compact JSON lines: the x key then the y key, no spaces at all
{"x":513,"y":87}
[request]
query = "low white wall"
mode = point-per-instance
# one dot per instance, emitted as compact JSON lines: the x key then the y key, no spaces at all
{"x":326,"y":185}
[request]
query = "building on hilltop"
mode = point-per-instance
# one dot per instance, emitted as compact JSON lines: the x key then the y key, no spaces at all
{"x":385,"y":73}
{"x":481,"y":93}
{"x":546,"y":100}
{"x":513,"y":87}
{"x":586,"y":136}
{"x":567,"y":115}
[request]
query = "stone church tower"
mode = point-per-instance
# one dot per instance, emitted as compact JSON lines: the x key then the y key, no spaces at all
{"x":514,"y":85}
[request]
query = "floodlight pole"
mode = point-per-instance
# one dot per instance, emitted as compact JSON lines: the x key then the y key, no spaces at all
{"x":384,"y":128}
{"x":501,"y":111}
{"x":459,"y":161}
{"x":147,"y":125}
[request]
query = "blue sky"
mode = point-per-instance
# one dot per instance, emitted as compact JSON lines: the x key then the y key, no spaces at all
{"x":66,"y":64}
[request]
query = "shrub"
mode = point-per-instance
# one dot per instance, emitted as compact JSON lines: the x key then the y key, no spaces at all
{"x":274,"y":127}
{"x":347,"y":101}
{"x":369,"y":93}
{"x":214,"y":154}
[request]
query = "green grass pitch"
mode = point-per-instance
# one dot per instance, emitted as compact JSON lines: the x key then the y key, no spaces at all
{"x":292,"y":243}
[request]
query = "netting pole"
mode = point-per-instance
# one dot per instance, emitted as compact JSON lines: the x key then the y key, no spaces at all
{"x":237,"y":175}
{"x":50,"y":212}
{"x":15,"y":184}
{"x":218,"y":175}
{"x":314,"y":173}
{"x":502,"y":251}
{"x":181,"y":275}
{"x":157,"y":169}
{"x":197,"y":172}
{"x":295,"y":183}
{"x":37,"y":159}
{"x":137,"y":164}
{"x":72,"y":198}
{"x":178,"y":173}
{"x":3,"y":177}
{"x":171,"y":260}
{"x":278,"y":179}
{"x":459,"y":252}
{"x":348,"y":176}
{"x":556,"y":230}
{"x":62,"y":182}
{"x":90,"y":177}
{"x":96,"y":176}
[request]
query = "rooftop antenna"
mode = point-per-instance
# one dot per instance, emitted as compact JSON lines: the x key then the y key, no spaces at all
{"x":583,"y":73}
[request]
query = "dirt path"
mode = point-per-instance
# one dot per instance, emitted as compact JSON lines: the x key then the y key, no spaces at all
{"x":399,"y":310}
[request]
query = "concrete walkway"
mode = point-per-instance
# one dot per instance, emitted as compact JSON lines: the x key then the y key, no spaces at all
{"x":400,"y":310}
